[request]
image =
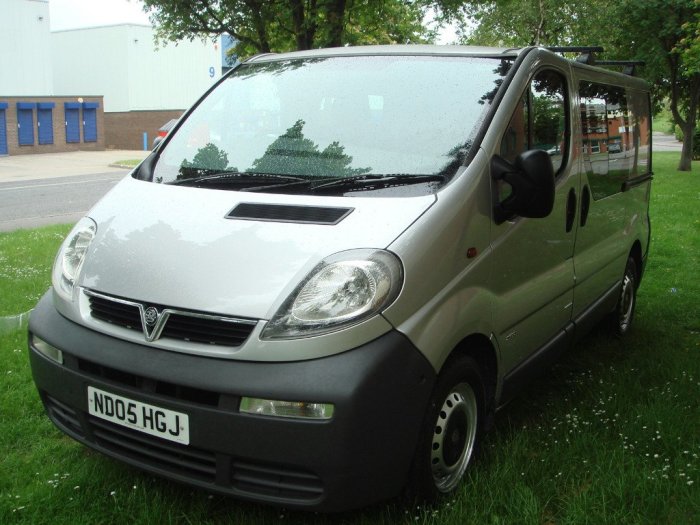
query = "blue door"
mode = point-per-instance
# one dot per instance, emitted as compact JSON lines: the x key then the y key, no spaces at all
{"x":72,"y":111}
{"x":45,"y":122}
{"x":3,"y":129}
{"x":25,"y":123}
{"x":90,"y":122}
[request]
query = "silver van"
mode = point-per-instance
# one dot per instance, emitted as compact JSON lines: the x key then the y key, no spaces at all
{"x":320,"y":287}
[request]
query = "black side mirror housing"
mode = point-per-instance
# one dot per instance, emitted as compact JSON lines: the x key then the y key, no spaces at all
{"x":531,"y":178}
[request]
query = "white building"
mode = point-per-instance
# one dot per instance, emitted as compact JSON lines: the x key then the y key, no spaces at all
{"x":25,"y":42}
{"x":122,"y":63}
{"x":143,"y":85}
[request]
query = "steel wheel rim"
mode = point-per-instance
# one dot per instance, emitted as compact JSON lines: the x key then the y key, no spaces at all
{"x":453,"y":437}
{"x":626,"y":303}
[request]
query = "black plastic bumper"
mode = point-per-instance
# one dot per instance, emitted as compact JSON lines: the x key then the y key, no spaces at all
{"x":362,"y":455}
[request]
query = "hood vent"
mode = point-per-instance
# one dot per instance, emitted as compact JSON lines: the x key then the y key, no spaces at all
{"x":286,"y":213}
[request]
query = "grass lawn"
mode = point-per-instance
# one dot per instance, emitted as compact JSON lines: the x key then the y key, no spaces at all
{"x":663,"y":121}
{"x":26,"y":258}
{"x":610,"y":435}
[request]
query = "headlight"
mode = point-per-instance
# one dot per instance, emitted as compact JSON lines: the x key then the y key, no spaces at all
{"x":343,"y":289}
{"x":71,"y":256}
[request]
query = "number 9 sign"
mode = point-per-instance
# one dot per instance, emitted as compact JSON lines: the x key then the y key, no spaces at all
{"x":212,"y":72}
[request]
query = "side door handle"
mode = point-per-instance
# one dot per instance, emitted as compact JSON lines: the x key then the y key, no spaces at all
{"x":585,"y":204}
{"x":570,"y":210}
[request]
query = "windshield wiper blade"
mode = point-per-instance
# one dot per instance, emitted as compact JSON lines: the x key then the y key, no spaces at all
{"x":235,"y":177}
{"x":372,"y":181}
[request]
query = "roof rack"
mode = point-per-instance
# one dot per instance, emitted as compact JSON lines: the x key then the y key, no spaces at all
{"x":587,"y":52}
{"x":628,"y":65}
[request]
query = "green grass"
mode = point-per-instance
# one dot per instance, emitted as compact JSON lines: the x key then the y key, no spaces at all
{"x":26,"y":257}
{"x":127,"y":163}
{"x":663,"y":121}
{"x":610,"y":435}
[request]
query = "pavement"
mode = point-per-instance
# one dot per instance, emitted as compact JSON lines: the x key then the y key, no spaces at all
{"x":20,"y":168}
{"x":665,"y":142}
{"x":54,"y":165}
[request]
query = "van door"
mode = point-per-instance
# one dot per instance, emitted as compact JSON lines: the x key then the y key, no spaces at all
{"x":615,"y":148}
{"x":532,"y":269}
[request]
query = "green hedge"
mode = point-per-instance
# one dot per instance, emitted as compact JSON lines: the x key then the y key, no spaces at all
{"x":696,"y":140}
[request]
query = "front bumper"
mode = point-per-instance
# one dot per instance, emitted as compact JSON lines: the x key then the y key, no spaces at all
{"x":362,"y":455}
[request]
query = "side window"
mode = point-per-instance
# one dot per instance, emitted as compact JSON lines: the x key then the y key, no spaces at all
{"x":610,"y":138}
{"x":540,"y":120}
{"x":549,"y":122}
{"x":515,"y":139}
{"x":641,"y":133}
{"x":594,"y":133}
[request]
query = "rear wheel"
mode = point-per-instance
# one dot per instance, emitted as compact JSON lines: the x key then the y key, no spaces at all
{"x":623,"y":315}
{"x":451,"y":431}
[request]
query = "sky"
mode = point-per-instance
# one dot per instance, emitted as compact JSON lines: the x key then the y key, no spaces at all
{"x":74,"y":14}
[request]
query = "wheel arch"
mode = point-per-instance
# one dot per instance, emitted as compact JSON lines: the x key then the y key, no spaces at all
{"x":636,"y":254}
{"x":482,"y":350}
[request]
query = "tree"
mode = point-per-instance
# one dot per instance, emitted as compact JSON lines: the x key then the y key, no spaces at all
{"x":517,"y":23}
{"x":689,"y":44}
{"x":665,"y":34}
{"x":669,"y":45}
{"x":262,"y":26}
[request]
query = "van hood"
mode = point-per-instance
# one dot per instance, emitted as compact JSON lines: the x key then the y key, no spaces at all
{"x":174,"y":246}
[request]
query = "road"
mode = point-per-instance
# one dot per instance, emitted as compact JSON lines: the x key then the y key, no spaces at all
{"x":39,"y":202}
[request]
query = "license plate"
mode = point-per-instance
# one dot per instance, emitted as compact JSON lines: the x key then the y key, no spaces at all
{"x":150,"y":419}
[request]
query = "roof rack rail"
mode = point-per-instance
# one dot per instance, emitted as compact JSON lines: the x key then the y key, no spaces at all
{"x":258,"y":55}
{"x":587,"y":52}
{"x":629,"y":66}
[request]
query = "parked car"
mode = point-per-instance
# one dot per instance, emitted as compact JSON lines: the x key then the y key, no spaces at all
{"x":320,"y":287}
{"x":163,"y":132}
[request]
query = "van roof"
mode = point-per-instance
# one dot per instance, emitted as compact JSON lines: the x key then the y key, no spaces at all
{"x":433,"y":50}
{"x":410,"y":49}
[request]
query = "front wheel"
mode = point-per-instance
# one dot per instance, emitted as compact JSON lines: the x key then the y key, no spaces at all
{"x":451,"y":432}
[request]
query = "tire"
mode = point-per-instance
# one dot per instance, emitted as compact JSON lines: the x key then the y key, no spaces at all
{"x":452,"y":429}
{"x":623,"y":315}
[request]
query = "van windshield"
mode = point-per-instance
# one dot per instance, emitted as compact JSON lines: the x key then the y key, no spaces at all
{"x":334,"y":125}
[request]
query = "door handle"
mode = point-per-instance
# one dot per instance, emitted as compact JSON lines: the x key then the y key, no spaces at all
{"x":570,"y":210}
{"x":585,"y":204}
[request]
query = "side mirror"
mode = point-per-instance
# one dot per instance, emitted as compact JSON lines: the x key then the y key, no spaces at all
{"x":531,"y":178}
{"x":157,"y":140}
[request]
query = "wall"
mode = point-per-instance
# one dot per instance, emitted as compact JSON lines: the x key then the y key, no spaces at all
{"x":124,"y":130}
{"x":25,"y":44}
{"x":59,"y":126}
{"x":93,"y":60}
{"x":170,"y":76}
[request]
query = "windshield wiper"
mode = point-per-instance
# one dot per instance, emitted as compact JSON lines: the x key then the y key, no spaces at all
{"x":375,"y":181}
{"x":235,"y":177}
{"x":260,"y":182}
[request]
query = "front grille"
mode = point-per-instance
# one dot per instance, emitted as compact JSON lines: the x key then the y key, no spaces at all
{"x":206,"y":331}
{"x":113,"y":312}
{"x":190,"y":326}
{"x":275,"y":480}
{"x":172,"y":457}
